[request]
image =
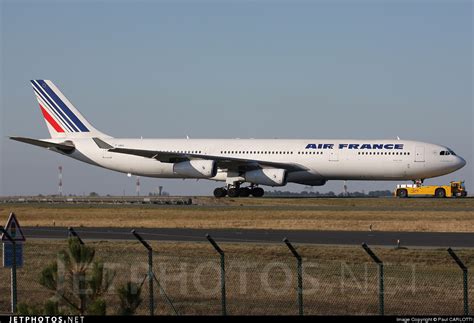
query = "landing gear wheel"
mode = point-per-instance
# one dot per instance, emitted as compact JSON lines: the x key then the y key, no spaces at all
{"x":440,"y":193}
{"x":220,"y":192}
{"x":257,"y":192}
{"x":244,"y":192}
{"x":233,"y":192}
{"x":402,"y":193}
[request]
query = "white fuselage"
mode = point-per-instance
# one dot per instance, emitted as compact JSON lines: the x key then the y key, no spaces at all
{"x":271,"y":162}
{"x":325,"y":159}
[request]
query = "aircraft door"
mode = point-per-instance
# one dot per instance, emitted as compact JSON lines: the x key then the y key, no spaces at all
{"x":420,"y":154}
{"x":106,"y":154}
{"x":334,"y":154}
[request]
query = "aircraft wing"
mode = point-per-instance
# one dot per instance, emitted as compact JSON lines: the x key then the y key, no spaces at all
{"x":66,"y":146}
{"x":231,"y":163}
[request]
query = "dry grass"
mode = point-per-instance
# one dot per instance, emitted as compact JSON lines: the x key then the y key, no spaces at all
{"x":389,"y":214}
{"x":261,"y":279}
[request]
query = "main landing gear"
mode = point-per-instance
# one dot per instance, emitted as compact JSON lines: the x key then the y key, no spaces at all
{"x":237,"y":191}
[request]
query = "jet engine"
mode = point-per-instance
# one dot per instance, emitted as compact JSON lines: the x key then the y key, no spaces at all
{"x":267,"y":176}
{"x":196,"y":168}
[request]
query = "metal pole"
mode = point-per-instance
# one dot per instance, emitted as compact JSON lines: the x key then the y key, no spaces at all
{"x":299,"y":263}
{"x":150,"y":282}
{"x":223,"y":290}
{"x":466,"y":293}
{"x":150,"y":272}
{"x":381,"y":289}
{"x":381,"y":277}
{"x":465,"y":279}
{"x":74,"y":234}
{"x":13,"y":272}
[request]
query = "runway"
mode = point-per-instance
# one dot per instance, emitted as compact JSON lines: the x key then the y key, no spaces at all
{"x":375,"y":238}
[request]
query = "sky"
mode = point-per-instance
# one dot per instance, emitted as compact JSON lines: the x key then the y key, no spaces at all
{"x":234,"y":69}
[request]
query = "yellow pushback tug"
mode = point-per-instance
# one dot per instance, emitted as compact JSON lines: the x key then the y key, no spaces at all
{"x":455,"y":189}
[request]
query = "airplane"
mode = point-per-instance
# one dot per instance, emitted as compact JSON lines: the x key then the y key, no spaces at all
{"x":258,"y":162}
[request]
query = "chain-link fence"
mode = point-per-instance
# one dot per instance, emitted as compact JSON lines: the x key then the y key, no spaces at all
{"x":235,"y":279}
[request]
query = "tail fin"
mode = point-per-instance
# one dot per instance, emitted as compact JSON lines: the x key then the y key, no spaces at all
{"x":62,"y":118}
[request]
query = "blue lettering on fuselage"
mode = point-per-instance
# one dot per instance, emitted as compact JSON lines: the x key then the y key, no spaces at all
{"x":355,"y":146}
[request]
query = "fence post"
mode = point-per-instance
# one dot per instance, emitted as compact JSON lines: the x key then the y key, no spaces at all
{"x":381,"y":278}
{"x":13,"y":271}
{"x":222,"y":256}
{"x":74,"y":234}
{"x":465,"y":279}
{"x":299,"y":263}
{"x":150,"y":271}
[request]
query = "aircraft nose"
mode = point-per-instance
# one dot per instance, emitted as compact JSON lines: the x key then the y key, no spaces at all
{"x":460,"y":162}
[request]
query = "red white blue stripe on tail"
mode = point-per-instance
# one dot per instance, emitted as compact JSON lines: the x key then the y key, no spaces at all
{"x":59,"y":113}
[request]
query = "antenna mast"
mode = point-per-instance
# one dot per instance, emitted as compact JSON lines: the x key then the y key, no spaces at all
{"x":60,"y":180}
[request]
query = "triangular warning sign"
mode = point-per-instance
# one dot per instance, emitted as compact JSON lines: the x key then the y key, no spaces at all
{"x":13,"y":229}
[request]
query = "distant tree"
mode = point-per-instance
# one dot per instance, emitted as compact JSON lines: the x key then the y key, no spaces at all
{"x":357,"y":194}
{"x":93,"y":194}
{"x":380,"y":193}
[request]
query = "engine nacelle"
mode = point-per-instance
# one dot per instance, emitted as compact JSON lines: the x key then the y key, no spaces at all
{"x":318,"y":182}
{"x":267,"y":176}
{"x":196,"y":168}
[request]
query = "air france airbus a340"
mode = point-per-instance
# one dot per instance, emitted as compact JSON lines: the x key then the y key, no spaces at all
{"x":268,"y":162}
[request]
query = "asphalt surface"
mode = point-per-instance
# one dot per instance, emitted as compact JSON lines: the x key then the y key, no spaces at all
{"x":418,"y":239}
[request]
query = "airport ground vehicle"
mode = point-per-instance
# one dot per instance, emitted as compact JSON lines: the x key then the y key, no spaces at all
{"x":455,"y":189}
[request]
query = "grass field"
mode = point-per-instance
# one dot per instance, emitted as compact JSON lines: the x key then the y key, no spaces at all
{"x":261,"y":279}
{"x":384,"y":214}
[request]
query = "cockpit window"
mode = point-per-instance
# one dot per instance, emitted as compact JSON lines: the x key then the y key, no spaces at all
{"x":447,"y":153}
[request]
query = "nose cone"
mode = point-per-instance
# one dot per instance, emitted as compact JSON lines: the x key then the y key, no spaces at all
{"x":460,"y":162}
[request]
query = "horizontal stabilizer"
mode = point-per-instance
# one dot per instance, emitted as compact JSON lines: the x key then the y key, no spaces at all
{"x":66,"y":146}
